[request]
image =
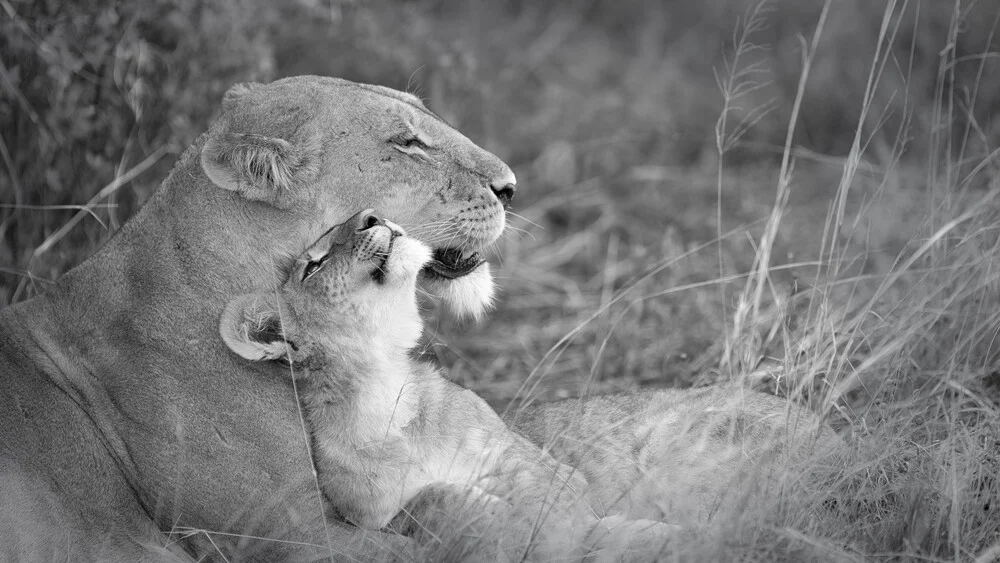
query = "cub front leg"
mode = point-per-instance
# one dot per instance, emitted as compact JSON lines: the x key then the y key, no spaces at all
{"x":550,"y":502}
{"x":365,"y":483}
{"x":459,"y":522}
{"x":615,"y":539}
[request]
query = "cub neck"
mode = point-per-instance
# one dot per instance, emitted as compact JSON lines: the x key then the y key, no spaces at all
{"x":368,"y":364}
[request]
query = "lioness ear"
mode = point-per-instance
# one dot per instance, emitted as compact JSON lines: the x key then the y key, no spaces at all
{"x":251,"y":327}
{"x":262,"y":168}
{"x":263,"y":149}
{"x":237,"y":91}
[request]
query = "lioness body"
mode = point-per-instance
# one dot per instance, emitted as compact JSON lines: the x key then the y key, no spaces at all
{"x":116,"y":389}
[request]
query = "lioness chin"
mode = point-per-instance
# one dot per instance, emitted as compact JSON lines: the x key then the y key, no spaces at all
{"x":390,"y":432}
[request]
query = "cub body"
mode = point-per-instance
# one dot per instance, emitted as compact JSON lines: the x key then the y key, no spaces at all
{"x":393,"y":439}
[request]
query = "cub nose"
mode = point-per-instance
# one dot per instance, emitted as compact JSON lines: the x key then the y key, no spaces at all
{"x":361,"y":221}
{"x":504,"y":192}
{"x":368,"y":221}
{"x":365,"y":220}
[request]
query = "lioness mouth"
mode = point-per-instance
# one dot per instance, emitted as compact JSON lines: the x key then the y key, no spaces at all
{"x":449,"y":263}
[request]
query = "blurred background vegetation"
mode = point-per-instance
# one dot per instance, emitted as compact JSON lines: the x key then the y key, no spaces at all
{"x":606,"y":109}
{"x":648,"y":139}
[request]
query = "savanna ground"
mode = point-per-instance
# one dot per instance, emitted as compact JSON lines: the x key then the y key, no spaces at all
{"x":793,"y":196}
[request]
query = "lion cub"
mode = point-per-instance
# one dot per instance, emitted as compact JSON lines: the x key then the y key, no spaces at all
{"x":387,"y":428}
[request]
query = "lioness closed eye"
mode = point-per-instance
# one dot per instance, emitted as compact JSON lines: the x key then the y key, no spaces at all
{"x":386,"y":427}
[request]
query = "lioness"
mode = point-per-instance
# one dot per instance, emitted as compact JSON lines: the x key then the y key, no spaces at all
{"x":124,"y":415}
{"x":121,"y":408}
{"x":387,"y":428}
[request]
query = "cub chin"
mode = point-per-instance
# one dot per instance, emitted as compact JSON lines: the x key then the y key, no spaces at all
{"x":393,"y":440}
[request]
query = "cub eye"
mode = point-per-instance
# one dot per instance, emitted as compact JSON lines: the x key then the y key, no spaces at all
{"x":312,"y":268}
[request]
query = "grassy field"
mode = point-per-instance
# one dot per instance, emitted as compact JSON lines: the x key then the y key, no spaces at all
{"x":794,"y":196}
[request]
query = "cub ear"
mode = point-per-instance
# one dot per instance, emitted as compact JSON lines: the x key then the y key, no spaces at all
{"x":251,"y":326}
{"x":263,"y":149}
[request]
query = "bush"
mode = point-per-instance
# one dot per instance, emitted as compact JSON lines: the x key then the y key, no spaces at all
{"x":91,"y":90}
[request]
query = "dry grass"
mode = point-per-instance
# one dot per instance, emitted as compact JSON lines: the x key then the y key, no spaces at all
{"x":881,"y":315}
{"x":806,"y":205}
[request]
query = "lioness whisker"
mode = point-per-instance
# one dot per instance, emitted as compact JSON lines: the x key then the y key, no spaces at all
{"x":438,"y":231}
{"x":424,"y":227}
{"x":433,"y":232}
{"x":519,"y":232}
{"x":525,"y":219}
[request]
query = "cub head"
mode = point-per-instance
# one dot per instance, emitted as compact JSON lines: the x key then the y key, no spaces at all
{"x":355,"y":284}
{"x":323,"y":148}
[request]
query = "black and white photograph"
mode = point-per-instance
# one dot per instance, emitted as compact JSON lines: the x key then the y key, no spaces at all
{"x":463,"y":281}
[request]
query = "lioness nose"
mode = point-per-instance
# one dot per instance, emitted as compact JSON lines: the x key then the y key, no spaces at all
{"x":504,"y":193}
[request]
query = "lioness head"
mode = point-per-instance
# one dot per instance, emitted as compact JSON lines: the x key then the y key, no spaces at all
{"x":321,"y":143}
{"x":357,"y":282}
